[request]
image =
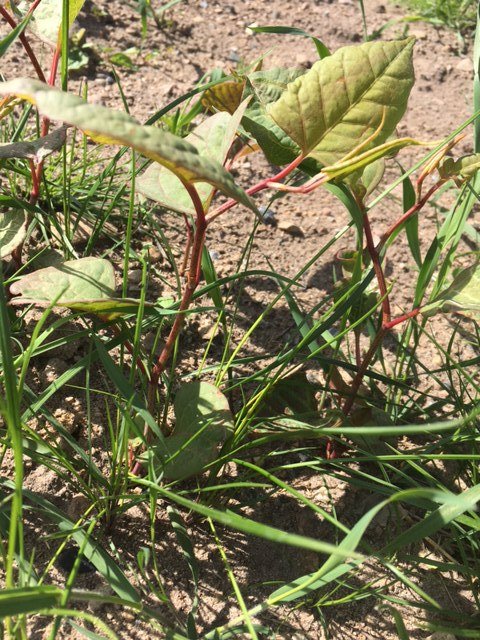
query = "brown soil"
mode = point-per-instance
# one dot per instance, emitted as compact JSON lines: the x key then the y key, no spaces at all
{"x":198,"y":36}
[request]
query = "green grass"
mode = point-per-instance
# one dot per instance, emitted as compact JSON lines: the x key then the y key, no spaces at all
{"x":413,"y":441}
{"x":459,"y":15}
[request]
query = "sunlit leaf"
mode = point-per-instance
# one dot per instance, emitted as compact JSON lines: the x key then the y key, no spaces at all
{"x":267,"y":87}
{"x":461,"y":170}
{"x":108,"y":126}
{"x":344,"y":98}
{"x":73,"y":281}
{"x":36,"y":150}
{"x":462,"y":296}
{"x":202,"y":421}
{"x":46,"y":22}
{"x":212,"y":139}
{"x":13,"y":229}
{"x":225,"y":96}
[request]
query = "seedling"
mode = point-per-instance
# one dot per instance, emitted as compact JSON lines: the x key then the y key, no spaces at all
{"x":333,"y":123}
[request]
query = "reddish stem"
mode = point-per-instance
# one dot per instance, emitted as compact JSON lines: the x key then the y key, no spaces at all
{"x":188,"y":246}
{"x":23,"y":39}
{"x":400,"y":319}
{"x":193,"y":278}
{"x":263,"y":184}
{"x":377,"y":266}
{"x":35,"y":192}
{"x":408,"y":214}
{"x":46,"y":121}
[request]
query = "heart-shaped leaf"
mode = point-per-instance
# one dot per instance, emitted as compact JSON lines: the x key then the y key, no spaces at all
{"x":202,"y":421}
{"x":344,"y":99}
{"x":212,"y":139}
{"x":13,"y":229}
{"x":37,"y":150}
{"x":68,"y":283}
{"x":46,"y":22}
{"x":108,"y":126}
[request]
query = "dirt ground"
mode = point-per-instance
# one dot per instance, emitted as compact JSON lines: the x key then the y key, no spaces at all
{"x":198,"y":36}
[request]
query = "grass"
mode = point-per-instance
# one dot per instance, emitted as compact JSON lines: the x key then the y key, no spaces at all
{"x":459,"y":15}
{"x":413,"y":441}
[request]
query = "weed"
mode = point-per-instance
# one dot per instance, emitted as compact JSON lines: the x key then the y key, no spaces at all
{"x":331,"y":127}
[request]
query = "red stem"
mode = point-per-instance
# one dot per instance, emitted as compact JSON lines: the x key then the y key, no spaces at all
{"x":412,"y":211}
{"x":193,"y":278}
{"x":377,"y":266}
{"x":256,"y":188}
{"x":23,"y":39}
{"x":406,"y":316}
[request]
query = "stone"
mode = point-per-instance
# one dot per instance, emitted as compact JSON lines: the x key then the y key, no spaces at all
{"x":291,"y":227}
{"x":135,"y":276}
{"x":465,"y":65}
{"x":77,"y":506}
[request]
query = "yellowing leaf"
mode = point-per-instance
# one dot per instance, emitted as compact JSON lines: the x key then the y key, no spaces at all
{"x":461,"y":170}
{"x":226,"y":96}
{"x":108,"y":126}
{"x":343,"y":99}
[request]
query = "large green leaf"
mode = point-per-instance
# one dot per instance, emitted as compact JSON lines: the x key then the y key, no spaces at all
{"x":108,"y":126}
{"x":345,"y":98}
{"x":202,"y":420}
{"x":212,"y":139}
{"x":70,"y":282}
{"x":13,"y":229}
{"x":46,"y":22}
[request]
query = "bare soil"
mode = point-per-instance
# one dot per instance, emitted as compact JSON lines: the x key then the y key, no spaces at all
{"x":199,"y":35}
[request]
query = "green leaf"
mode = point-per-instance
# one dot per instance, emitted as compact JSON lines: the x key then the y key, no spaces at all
{"x":108,"y":126}
{"x":14,"y":602}
{"x":70,"y":282}
{"x":37,"y":150}
{"x":345,"y":98}
{"x":46,"y":22}
{"x":292,"y":396}
{"x":202,"y":420}
{"x":212,"y":139}
{"x":463,"y":295}
{"x":121,"y":59}
{"x":461,"y":170}
{"x":266,"y":87}
{"x":10,"y":38}
{"x":13,"y":229}
{"x":92,"y":550}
